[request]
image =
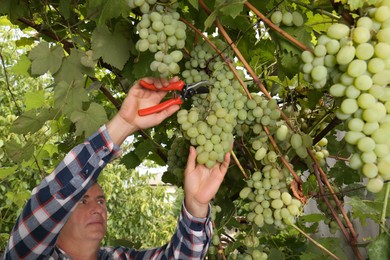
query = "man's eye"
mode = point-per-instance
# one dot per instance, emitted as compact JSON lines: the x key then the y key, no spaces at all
{"x":101,"y":202}
{"x":83,"y":201}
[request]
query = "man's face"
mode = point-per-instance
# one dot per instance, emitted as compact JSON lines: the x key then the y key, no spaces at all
{"x":89,"y":219}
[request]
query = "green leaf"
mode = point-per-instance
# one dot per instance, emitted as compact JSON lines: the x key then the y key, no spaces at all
{"x":22,"y":66}
{"x":233,"y":9}
{"x":114,"y":48}
{"x":64,"y":8}
{"x":210,"y":19}
{"x":343,"y":174}
{"x":45,"y":58}
{"x":131,"y":160}
{"x":109,"y":9}
{"x":31,"y":121}
{"x":140,"y":68}
{"x":363,"y":211}
{"x":72,"y":69}
{"x":19,"y":153}
{"x":380,"y":248}
{"x":34,"y":99}
{"x":6,"y":171}
{"x":144,"y":148}
{"x":88,"y":121}
{"x":194,"y":4}
{"x":313,"y":217}
{"x":69,"y":97}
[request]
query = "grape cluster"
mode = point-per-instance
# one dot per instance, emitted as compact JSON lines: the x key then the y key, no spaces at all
{"x":160,"y":31}
{"x":270,"y":200}
{"x":355,"y":62}
{"x":177,"y":158}
{"x":287,"y":18}
{"x":209,"y":123}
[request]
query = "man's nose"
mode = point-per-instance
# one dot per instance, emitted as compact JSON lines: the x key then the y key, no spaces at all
{"x":96,"y":208}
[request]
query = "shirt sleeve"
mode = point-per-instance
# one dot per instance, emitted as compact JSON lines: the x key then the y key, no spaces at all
{"x":191,"y":240}
{"x":36,"y":230}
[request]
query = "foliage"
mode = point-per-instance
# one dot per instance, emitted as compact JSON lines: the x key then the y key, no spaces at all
{"x":74,"y":61}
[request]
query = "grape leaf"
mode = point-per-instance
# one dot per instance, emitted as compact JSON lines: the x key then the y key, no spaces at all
{"x":143,"y":149}
{"x":34,"y":99}
{"x":194,"y":3}
{"x":113,"y":47}
{"x":90,"y":120}
{"x":19,"y":153}
{"x":45,"y":58}
{"x":130,"y":160}
{"x":343,"y":174}
{"x":64,"y":8}
{"x":380,"y":248}
{"x":361,"y":210}
{"x":69,"y":97}
{"x":6,"y":171}
{"x":109,"y":9}
{"x":210,"y":19}
{"x":233,"y":9}
{"x":31,"y":121}
{"x":72,"y":69}
{"x":22,"y":66}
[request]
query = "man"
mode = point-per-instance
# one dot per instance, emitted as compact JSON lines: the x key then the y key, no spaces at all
{"x":66,"y":216}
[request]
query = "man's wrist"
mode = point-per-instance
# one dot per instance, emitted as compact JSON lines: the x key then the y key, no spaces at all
{"x":119,"y":129}
{"x":196,"y":209}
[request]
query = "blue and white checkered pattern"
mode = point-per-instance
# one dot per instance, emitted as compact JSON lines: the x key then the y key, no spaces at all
{"x":36,"y":230}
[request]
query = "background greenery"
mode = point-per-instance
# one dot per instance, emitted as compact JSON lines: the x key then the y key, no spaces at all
{"x":51,"y":99}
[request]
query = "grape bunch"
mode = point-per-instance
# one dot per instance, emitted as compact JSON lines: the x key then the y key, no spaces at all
{"x":177,"y":159}
{"x":209,"y":124}
{"x":287,"y":18}
{"x":355,"y":62}
{"x":270,"y":201}
{"x":162,"y":33}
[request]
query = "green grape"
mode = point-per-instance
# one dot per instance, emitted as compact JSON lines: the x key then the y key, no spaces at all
{"x":382,"y":13}
{"x":345,"y":55}
{"x":364,"y":51}
{"x":319,"y":73}
{"x":337,"y":90}
{"x":361,"y":35}
{"x":307,"y":57}
{"x":297,"y":19}
{"x":356,"y":68}
{"x":332,"y":46}
{"x":375,"y":185}
{"x":382,"y":50}
{"x":366,"y":100}
{"x":363,"y":82}
{"x":370,"y":170}
{"x":296,"y":140}
{"x":287,"y":19}
{"x":276,"y":17}
{"x":338,"y":31}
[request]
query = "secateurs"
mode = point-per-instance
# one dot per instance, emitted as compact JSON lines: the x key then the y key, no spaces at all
{"x":186,"y":91}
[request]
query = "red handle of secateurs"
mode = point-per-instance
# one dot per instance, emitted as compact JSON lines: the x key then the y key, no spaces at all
{"x":172,"y":86}
{"x":160,"y":107}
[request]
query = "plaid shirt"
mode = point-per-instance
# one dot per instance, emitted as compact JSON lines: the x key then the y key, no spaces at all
{"x":36,"y":230}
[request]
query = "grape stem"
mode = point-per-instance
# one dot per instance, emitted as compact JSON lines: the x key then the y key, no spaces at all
{"x":276,"y":28}
{"x":384,"y":210}
{"x":228,"y":61}
{"x":315,"y":242}
{"x":239,"y":165}
{"x":321,"y":177}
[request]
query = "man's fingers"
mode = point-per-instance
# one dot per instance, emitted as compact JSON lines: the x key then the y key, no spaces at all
{"x":191,"y":161}
{"x":225,"y":164}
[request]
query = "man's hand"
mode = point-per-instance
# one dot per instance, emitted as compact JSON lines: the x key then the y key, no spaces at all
{"x":201,"y":183}
{"x":127,"y":121}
